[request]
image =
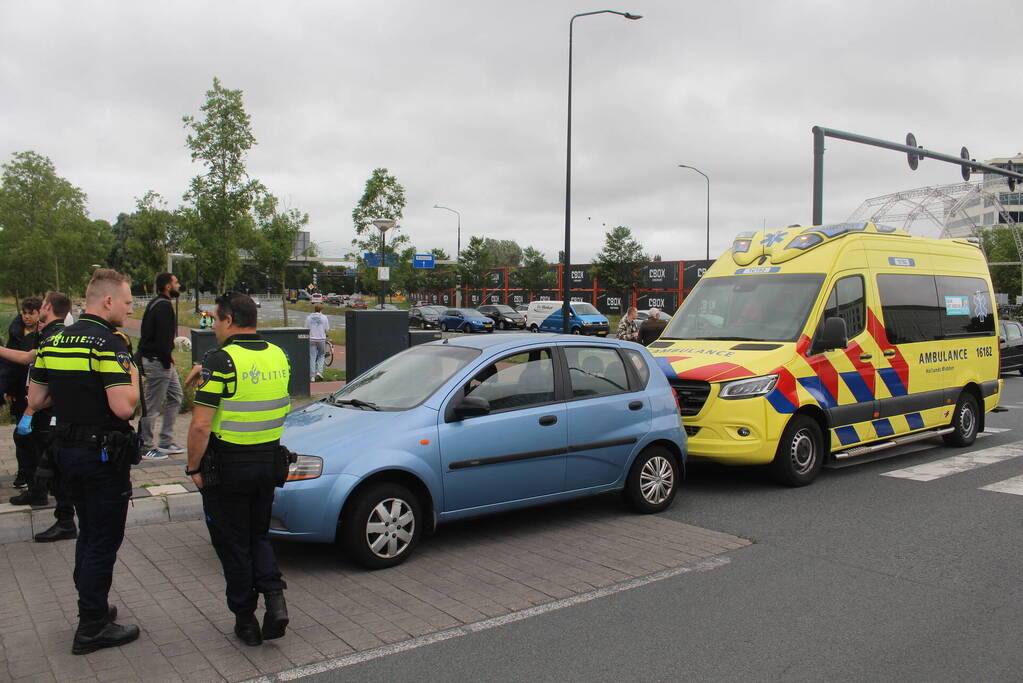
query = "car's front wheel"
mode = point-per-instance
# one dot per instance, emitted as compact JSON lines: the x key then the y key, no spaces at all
{"x":382,"y":525}
{"x":653,"y":480}
{"x":443,"y":327}
{"x":467,"y":328}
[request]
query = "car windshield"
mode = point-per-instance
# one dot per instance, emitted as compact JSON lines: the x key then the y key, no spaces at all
{"x":584,"y":309}
{"x":471,"y":313}
{"x":746,"y":308}
{"x":406,"y":379}
{"x":434,"y":309}
{"x":501,"y":308}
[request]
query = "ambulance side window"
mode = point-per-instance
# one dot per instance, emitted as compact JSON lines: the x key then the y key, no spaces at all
{"x":909,"y":304}
{"x":848,"y":303}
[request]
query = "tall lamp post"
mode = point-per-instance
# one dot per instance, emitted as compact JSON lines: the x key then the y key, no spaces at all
{"x":458,"y":255}
{"x":383,"y":225}
{"x":566,"y":285}
{"x":693,"y":168}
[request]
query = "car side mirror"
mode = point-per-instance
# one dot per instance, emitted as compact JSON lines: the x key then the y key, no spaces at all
{"x":1001,"y":340}
{"x":833,"y":335}
{"x":472,"y":406}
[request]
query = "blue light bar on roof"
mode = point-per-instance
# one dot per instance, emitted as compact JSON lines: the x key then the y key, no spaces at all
{"x":837,"y":229}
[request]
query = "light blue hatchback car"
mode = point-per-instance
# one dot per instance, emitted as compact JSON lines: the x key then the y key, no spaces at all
{"x":473,"y":425}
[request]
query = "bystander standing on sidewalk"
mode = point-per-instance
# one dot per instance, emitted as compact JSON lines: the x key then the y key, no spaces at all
{"x":162,"y":385}
{"x":627,"y":327}
{"x":318,"y":325}
{"x":652,"y":327}
{"x":23,"y":335}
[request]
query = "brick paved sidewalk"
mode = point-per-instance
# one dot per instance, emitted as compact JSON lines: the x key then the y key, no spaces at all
{"x":168,"y":581}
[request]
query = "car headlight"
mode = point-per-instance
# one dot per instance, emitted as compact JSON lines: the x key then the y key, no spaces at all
{"x":748,"y":388}
{"x":306,"y":467}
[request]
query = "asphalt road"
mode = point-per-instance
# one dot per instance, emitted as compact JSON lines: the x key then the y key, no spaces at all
{"x":860,"y":576}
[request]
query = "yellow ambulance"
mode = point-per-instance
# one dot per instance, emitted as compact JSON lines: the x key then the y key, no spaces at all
{"x":820,"y":346}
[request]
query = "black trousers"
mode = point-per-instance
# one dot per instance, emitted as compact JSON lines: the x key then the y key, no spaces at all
{"x":238,"y":517}
{"x":100,"y":493}
{"x":64,"y":510}
{"x":24,"y":445}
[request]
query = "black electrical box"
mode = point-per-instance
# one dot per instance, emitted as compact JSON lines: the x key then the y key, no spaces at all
{"x":293,"y":340}
{"x":423,"y":336}
{"x":373,"y":336}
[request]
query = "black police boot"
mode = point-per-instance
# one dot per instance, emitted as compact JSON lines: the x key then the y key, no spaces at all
{"x":58,"y":532}
{"x":246,"y":627}
{"x":275,"y":621}
{"x":96,"y":635}
{"x":30,"y":497}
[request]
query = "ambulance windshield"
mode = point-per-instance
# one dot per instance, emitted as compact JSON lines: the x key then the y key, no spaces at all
{"x":747,"y":308}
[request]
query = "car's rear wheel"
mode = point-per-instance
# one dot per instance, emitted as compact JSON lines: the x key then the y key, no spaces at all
{"x":653,"y":480}
{"x":382,"y":525}
{"x":533,"y":328}
{"x":576,"y":330}
{"x":800,"y":454}
{"x":443,"y":327}
{"x":965,"y":422}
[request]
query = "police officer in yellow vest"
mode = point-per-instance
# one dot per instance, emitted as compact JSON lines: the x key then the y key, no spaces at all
{"x":241,"y":401}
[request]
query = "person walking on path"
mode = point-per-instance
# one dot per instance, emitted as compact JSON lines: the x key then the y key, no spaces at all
{"x":162,"y":385}
{"x":652,"y":327}
{"x":86,"y":374}
{"x":22,"y":336}
{"x":627,"y":327}
{"x":318,"y":325}
{"x":234,"y":458}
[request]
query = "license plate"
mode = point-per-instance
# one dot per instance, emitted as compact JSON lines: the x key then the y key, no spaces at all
{"x":602,"y":334}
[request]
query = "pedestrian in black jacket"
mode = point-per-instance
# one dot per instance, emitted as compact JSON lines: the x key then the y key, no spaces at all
{"x":163,"y":392}
{"x":23,"y":335}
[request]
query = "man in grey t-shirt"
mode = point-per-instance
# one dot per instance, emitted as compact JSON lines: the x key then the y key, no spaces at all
{"x":318,"y":325}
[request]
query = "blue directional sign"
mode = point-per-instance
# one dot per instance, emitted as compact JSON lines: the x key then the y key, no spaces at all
{"x":373,"y":260}
{"x":422,"y":261}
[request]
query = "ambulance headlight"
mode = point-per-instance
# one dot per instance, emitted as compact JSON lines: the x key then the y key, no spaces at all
{"x":748,"y":388}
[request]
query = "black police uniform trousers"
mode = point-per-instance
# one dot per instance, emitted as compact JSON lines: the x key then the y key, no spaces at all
{"x":100,"y":492}
{"x":24,"y":444}
{"x":64,"y":511}
{"x":238,"y":517}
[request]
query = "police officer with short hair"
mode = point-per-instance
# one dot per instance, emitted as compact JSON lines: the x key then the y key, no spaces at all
{"x":86,"y":374}
{"x":241,"y":401}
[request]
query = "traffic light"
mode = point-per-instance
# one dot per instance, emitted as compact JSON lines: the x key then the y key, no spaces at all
{"x":912,"y":157}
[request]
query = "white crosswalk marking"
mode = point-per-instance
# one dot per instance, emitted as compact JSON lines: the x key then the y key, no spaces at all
{"x":1013,"y":486}
{"x":958,"y":463}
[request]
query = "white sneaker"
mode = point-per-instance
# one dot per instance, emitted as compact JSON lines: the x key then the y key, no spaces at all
{"x":153,"y":454}
{"x":173,"y":449}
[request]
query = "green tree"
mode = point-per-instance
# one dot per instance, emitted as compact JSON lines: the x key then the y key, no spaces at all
{"x":443,"y":276}
{"x":504,"y":252}
{"x":999,"y":245}
{"x":383,"y":197}
{"x":47,"y":240}
{"x":147,"y":244}
{"x":618,"y":262}
{"x":534,"y":276}
{"x":475,"y":263}
{"x":223,"y":194}
{"x":274,"y":240}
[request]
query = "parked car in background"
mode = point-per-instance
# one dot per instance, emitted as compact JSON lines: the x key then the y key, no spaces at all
{"x":425,"y":317}
{"x":504,"y":317}
{"x":316,"y":298}
{"x":471,"y":426}
{"x":295,"y":295}
{"x":332,"y":298}
{"x":357,"y":303}
{"x":645,"y":313}
{"x":522,"y":308}
{"x":1010,"y":345}
{"x":584,"y":318}
{"x":465,"y":320}
{"x":385,"y":307}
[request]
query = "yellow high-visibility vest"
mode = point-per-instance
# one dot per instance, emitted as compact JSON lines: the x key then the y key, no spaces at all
{"x":256,"y":412}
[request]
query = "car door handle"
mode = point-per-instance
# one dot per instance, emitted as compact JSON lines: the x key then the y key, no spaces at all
{"x":635,"y":405}
{"x":548,"y":420}
{"x":865,"y":356}
{"x":890,"y":353}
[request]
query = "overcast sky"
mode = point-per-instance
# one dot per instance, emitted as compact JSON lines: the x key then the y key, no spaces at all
{"x":465,"y":102}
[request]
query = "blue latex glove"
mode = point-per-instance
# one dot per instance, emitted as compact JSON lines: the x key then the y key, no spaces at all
{"x":24,"y":425}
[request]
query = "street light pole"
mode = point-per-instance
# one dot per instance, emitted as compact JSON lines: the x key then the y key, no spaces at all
{"x":458,"y":255}
{"x":566,"y":286}
{"x":383,"y":225}
{"x":693,"y":168}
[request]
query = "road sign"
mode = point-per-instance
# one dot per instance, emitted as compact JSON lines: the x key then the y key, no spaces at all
{"x":383,"y":273}
{"x":422,"y":261}
{"x":373,"y":260}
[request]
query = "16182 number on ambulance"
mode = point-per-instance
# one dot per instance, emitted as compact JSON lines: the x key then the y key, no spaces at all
{"x":823,"y":345}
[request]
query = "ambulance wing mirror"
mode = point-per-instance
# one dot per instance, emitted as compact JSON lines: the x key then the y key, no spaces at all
{"x":832,"y":336}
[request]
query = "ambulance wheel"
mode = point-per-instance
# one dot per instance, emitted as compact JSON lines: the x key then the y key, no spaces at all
{"x":800,"y":452}
{"x":965,"y":421}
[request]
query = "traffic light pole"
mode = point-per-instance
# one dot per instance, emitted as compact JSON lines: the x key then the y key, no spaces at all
{"x":914,"y":155}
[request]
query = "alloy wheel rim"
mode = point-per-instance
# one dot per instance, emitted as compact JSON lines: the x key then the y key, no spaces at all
{"x":656,"y":480}
{"x":390,"y":528}
{"x":803,"y":452}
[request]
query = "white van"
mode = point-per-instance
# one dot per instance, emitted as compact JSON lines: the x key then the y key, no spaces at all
{"x":545,"y":316}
